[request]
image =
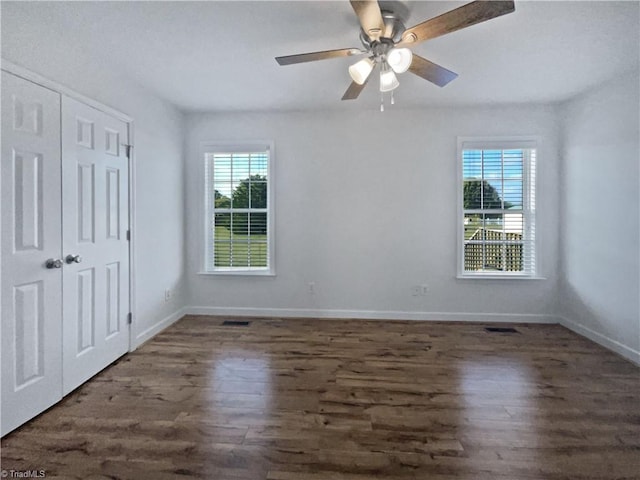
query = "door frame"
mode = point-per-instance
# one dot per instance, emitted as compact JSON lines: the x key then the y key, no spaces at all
{"x":38,"y":79}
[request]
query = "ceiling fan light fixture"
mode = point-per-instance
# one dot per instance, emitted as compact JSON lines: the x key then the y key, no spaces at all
{"x":361,"y":70}
{"x":399,"y":59}
{"x":388,"y":80}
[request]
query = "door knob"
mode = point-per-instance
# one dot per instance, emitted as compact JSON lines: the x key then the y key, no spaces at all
{"x":53,"y":263}
{"x":73,"y":259}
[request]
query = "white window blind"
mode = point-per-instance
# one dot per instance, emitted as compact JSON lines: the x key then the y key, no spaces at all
{"x":498,"y":209}
{"x":238,"y":210}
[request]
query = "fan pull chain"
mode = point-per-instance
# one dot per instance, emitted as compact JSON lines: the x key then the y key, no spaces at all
{"x":381,"y":102}
{"x":393,"y":102}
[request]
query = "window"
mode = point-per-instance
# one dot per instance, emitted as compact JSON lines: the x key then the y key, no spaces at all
{"x":239,"y":217}
{"x":497,"y":218}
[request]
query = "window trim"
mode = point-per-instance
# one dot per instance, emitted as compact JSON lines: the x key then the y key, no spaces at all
{"x":236,"y":147}
{"x":498,"y":142}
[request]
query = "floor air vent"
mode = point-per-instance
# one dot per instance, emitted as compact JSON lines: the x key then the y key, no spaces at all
{"x":235,"y":323}
{"x":501,"y":330}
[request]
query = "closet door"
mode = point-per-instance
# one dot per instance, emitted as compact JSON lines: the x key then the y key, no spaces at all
{"x":95,"y":202}
{"x":31,"y":245}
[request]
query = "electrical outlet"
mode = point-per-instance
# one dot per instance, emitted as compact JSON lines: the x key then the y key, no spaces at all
{"x":419,"y":290}
{"x":312,"y":288}
{"x":167,"y":295}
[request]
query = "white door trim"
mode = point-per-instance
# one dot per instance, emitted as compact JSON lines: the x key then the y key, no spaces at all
{"x":19,"y":71}
{"x":36,"y":78}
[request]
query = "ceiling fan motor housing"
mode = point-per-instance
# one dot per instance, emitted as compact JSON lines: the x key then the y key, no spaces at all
{"x":393,"y":30}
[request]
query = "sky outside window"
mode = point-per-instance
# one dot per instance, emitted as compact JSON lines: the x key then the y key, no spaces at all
{"x":229,"y":169}
{"x":502,"y":169}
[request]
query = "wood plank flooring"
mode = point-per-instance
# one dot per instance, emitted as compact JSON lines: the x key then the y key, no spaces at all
{"x":303,"y":399}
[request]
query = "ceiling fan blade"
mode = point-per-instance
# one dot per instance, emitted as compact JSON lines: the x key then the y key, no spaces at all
{"x":462,"y":17}
{"x":370,"y":16}
{"x":314,"y":56}
{"x":431,"y":71}
{"x":354,"y":90}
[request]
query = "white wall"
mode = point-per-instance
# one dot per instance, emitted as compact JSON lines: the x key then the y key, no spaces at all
{"x":600,"y":285}
{"x":159,"y":248}
{"x":366,"y":208}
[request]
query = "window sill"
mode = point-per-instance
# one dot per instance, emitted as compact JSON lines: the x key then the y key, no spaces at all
{"x":489,"y":276}
{"x":246,"y":273}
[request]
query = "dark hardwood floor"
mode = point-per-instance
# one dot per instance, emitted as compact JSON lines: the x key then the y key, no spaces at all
{"x":345,"y":400}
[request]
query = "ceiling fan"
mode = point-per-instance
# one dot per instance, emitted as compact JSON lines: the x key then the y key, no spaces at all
{"x":387,"y":43}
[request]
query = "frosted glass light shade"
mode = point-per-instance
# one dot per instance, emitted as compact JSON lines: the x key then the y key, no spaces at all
{"x":388,"y":81}
{"x":361,"y":70}
{"x":399,"y":59}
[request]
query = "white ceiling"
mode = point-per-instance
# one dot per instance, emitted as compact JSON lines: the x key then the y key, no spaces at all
{"x":219,"y":55}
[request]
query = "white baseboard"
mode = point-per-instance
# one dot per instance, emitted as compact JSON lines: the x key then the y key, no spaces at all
{"x":158,"y":327}
{"x":372,"y":314}
{"x":619,"y":348}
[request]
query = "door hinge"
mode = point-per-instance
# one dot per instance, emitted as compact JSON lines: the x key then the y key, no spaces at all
{"x":129,"y":318}
{"x":128,"y":235}
{"x":127,"y":149}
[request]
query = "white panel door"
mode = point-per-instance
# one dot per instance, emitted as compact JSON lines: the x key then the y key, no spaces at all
{"x":95,"y":203}
{"x":31,"y":235}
